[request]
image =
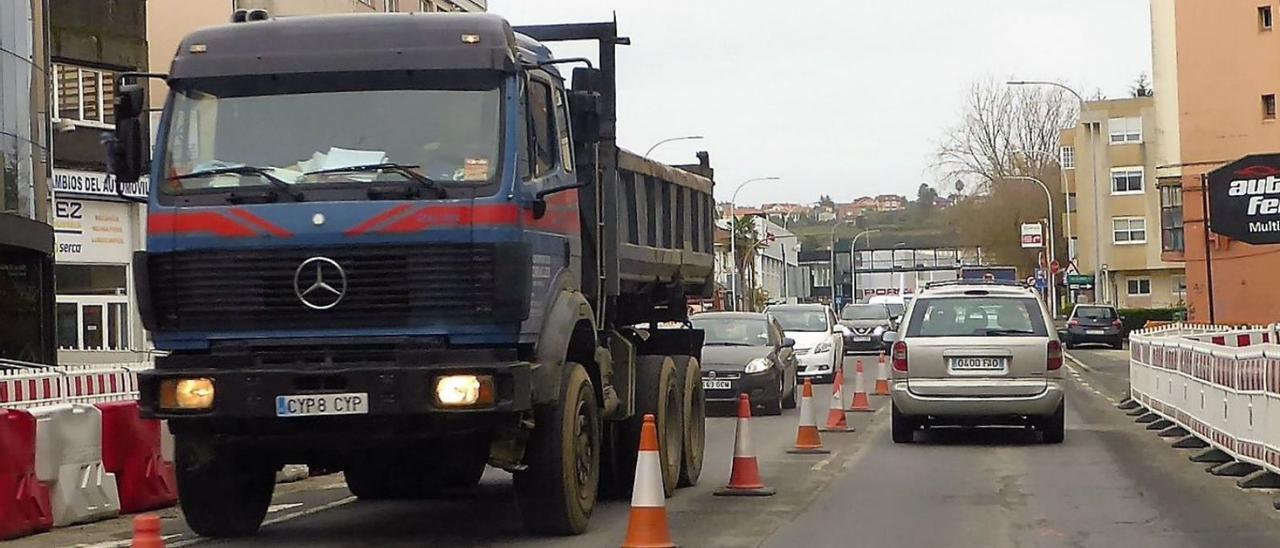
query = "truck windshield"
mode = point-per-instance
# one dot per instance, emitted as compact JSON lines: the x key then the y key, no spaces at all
{"x":304,"y":133}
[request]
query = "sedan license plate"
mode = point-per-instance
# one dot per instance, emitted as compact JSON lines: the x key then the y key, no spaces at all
{"x":862,"y":339}
{"x":318,"y":405}
{"x":977,"y":364}
{"x":1094,"y":332}
{"x":716,"y":384}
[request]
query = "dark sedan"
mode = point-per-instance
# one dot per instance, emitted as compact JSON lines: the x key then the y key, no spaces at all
{"x":866,"y":325}
{"x":747,"y":353}
{"x":1094,"y":324}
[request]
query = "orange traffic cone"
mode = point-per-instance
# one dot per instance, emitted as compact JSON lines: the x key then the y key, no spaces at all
{"x":835,"y":414}
{"x":146,"y":532}
{"x":882,"y":378}
{"x":807,"y":440}
{"x":860,"y":401}
{"x":744,"y":480}
{"x":648,"y":526}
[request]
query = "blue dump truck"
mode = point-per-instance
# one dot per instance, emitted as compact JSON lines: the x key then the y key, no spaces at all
{"x":402,"y":247}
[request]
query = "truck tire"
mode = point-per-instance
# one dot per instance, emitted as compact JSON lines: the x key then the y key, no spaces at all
{"x":419,"y":471}
{"x":381,"y":479}
{"x":557,"y":492}
{"x":463,"y":467}
{"x":618,"y":460}
{"x":223,"y":491}
{"x":658,"y":393}
{"x":695,"y":417}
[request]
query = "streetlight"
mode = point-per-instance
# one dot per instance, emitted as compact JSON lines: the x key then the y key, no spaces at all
{"x":1053,"y":287}
{"x":1071,"y":257}
{"x":1093,"y":176}
{"x":853,"y":262}
{"x":671,"y":140}
{"x":733,"y":236}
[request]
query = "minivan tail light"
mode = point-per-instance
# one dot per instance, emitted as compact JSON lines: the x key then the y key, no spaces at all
{"x":1055,"y":356}
{"x":900,"y":356}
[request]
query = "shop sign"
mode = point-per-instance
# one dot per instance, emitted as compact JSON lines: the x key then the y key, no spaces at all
{"x":93,"y":183}
{"x":1032,"y":235}
{"x":1244,"y":199}
{"x":87,"y":231}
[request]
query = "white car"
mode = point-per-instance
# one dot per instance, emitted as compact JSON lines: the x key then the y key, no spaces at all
{"x":819,"y":338}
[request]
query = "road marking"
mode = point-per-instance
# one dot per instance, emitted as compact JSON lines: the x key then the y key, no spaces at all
{"x":279,"y":507}
{"x":1083,"y":365}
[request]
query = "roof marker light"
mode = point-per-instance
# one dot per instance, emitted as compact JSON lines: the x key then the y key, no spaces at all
{"x":471,"y":39}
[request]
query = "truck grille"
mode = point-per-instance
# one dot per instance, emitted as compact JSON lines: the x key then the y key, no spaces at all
{"x":387,"y":286}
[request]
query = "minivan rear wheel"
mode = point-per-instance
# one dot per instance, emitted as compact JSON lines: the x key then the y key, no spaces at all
{"x":904,"y":431}
{"x":1054,"y":427}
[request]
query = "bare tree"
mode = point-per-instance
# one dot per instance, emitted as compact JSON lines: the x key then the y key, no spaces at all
{"x":999,"y":124}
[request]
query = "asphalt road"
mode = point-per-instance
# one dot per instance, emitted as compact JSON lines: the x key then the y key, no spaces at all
{"x":1112,"y":483}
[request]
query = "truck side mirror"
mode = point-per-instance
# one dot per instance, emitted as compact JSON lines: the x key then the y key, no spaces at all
{"x":584,"y":110}
{"x":124,"y":147}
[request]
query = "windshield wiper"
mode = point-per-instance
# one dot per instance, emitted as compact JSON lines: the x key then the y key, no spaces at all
{"x":406,"y":170}
{"x":264,"y":172}
{"x":998,"y":332}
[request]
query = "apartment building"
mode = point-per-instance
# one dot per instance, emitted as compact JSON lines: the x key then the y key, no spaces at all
{"x":1213,"y":72}
{"x":1113,"y":205}
{"x":26,"y":238}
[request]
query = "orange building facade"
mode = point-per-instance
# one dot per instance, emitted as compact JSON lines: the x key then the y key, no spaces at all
{"x":1216,"y":80}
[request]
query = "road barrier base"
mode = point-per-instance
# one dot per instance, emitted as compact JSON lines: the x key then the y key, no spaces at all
{"x":1262,"y":479}
{"x":1160,"y":424}
{"x":1147,"y":418}
{"x":1234,"y":469}
{"x":1190,"y":442}
{"x":1174,"y":431}
{"x":1128,"y":405}
{"x":1211,"y":455}
{"x":1137,"y":411}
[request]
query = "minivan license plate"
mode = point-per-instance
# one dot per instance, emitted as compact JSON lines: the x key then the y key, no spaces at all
{"x":977,"y":364}
{"x":317,"y":405}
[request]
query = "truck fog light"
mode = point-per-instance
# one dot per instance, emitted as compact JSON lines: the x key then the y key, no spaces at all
{"x":464,"y":390}
{"x":187,"y":394}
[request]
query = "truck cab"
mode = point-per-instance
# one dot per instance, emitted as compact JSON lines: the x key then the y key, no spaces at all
{"x":399,"y":245}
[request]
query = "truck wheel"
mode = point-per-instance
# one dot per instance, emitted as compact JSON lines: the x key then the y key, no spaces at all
{"x":464,"y":466}
{"x":557,"y":492}
{"x":380,"y":479}
{"x":695,"y":417}
{"x":223,"y":491}
{"x":618,"y":460}
{"x":658,"y":393}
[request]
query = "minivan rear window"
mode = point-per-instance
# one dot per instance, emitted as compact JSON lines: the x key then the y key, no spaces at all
{"x":977,"y":317}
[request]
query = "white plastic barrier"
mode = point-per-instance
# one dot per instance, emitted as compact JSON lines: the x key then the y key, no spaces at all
{"x":1217,"y":383}
{"x":69,"y":460}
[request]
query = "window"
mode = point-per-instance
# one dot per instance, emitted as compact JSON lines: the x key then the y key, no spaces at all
{"x":542,"y":140}
{"x":1067,"y":157}
{"x":390,"y":6}
{"x":1129,"y":230}
{"x":1171,"y":234}
{"x":1071,"y":202}
{"x":1264,"y":18}
{"x":93,"y":323}
{"x":562,"y":124}
{"x":1180,"y":287}
{"x":976,"y":317}
{"x":1125,"y":130}
{"x":1269,"y":106}
{"x":83,"y":95}
{"x":426,"y":6}
{"x":1126,"y":180}
{"x":1139,"y":287}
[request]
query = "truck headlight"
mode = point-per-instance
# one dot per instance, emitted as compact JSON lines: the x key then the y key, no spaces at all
{"x":464,"y":390}
{"x":822,"y":347}
{"x":186,"y":394}
{"x":758,"y":365}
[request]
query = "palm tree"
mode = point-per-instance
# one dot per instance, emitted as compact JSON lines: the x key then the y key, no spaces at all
{"x":749,"y":245}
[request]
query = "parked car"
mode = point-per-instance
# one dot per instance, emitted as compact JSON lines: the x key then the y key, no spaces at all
{"x":747,"y":353}
{"x":1094,"y":324}
{"x":867,"y":324}
{"x":975,"y":354}
{"x":819,"y":338}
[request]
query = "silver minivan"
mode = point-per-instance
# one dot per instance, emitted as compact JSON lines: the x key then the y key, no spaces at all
{"x":975,"y":353}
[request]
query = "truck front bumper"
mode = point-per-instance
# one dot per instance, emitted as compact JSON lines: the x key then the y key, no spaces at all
{"x":248,"y":395}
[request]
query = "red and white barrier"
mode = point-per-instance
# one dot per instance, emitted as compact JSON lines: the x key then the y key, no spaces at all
{"x":131,"y":449}
{"x":1221,"y":384}
{"x":24,"y":501}
{"x":69,"y":460}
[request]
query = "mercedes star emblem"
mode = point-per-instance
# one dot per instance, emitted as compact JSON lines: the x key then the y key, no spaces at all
{"x":320,"y":283}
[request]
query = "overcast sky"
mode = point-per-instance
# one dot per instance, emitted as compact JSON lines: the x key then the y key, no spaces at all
{"x":839,"y":97}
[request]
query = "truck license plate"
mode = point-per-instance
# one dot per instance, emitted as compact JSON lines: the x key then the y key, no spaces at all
{"x":316,"y":405}
{"x":716,"y":384}
{"x":977,"y":364}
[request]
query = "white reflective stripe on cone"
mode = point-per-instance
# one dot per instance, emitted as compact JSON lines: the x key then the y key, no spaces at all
{"x":648,"y":492}
{"x":742,"y":442}
{"x":806,"y":412}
